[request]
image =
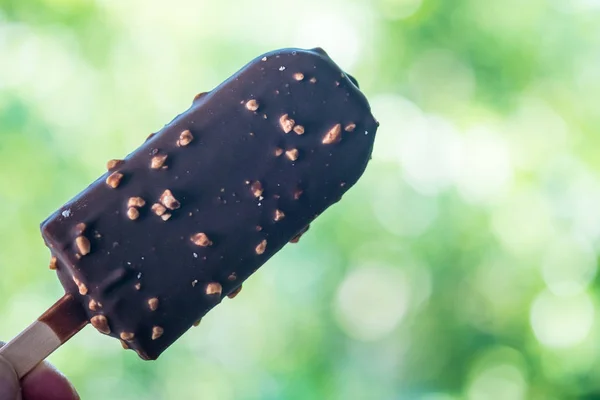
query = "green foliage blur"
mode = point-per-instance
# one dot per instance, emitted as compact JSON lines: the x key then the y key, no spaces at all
{"x":462,"y":266}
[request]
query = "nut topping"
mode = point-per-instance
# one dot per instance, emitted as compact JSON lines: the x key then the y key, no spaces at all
{"x":214,"y":288}
{"x":185,"y":138}
{"x":136,"y":202}
{"x":101,"y":323}
{"x":287,"y":124}
{"x":168,"y":200}
{"x":157,"y":332}
{"x":334,"y":135}
{"x":279,"y":215}
{"x":127,"y":336}
{"x":114,"y":180}
{"x":252,"y":105}
{"x":153,"y":304}
{"x":262,"y":246}
{"x":201,"y":239}
{"x":158,"y":161}
{"x":292,"y":154}
{"x":133,"y":213}
{"x":83,"y":245}
{"x":257,"y":189}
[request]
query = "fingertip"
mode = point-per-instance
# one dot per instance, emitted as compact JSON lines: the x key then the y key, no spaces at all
{"x":47,"y":383}
{"x":9,"y":382}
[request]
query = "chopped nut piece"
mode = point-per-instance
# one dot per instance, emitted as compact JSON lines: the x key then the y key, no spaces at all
{"x":158,"y":209}
{"x":278,"y":152}
{"x":252,"y":105}
{"x":114,"y":180}
{"x":83,"y":290}
{"x":166,"y":216}
{"x":127,"y":336}
{"x":124,"y":345}
{"x":232,"y":277}
{"x":350,"y":127}
{"x":298,"y":76}
{"x":214,"y":288}
{"x":153,"y":303}
{"x":138,"y":286}
{"x":258,"y":228}
{"x":313,"y":80}
{"x":279,"y":215}
{"x":194,"y":282}
{"x":80,"y":228}
{"x":262,"y":246}
{"x":235,"y":292}
{"x":299,"y":129}
{"x":83,"y":245}
{"x":296,"y":238}
{"x":133,"y":213}
{"x":297,"y":194}
{"x":53,"y":263}
{"x":136,"y":202}
{"x":334,"y":135}
{"x":292,"y":154}
{"x":158,"y":161}
{"x":287,"y":124}
{"x":101,"y":323}
{"x":94,"y":305}
{"x":257,"y":189}
{"x":112,"y":164}
{"x":201,"y":239}
{"x":157,"y":332}
{"x":185,"y":138}
{"x":197,"y":322}
{"x":168,"y":200}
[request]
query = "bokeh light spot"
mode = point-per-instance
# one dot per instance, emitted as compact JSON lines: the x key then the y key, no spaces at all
{"x":569,"y":265}
{"x":331,"y":31}
{"x":438,"y":77}
{"x":371,"y":301}
{"x":399,"y":9}
{"x":430,"y":153}
{"x":485,"y":168}
{"x":524,"y":223}
{"x":561,"y":321}
{"x":398,"y":116}
{"x":391,"y":200}
{"x":499,"y":382}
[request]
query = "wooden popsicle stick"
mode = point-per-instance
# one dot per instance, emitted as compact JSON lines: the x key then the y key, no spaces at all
{"x":57,"y":325}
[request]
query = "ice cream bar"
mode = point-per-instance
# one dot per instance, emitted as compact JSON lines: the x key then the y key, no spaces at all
{"x":180,"y":223}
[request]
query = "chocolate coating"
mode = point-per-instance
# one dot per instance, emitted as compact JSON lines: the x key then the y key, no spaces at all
{"x":224,"y":201}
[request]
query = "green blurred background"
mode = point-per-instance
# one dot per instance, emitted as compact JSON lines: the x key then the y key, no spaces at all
{"x":462,"y":266}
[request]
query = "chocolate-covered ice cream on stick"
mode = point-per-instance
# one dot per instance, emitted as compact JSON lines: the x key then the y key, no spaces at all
{"x":160,"y":239}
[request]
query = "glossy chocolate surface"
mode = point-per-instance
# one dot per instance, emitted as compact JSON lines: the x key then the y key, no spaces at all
{"x":165,"y":235}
